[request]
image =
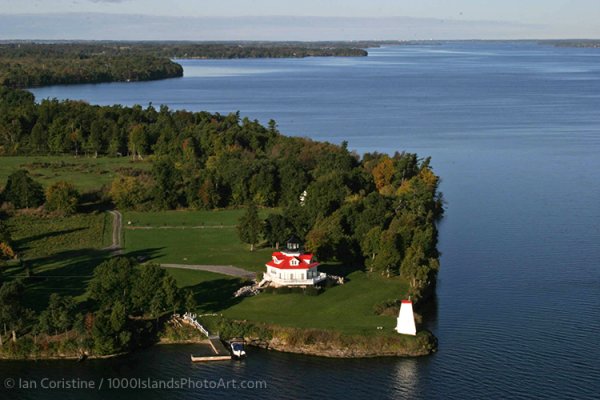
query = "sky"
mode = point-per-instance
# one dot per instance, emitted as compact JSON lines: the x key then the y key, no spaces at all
{"x":306,"y":19}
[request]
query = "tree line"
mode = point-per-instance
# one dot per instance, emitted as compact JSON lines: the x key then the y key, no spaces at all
{"x":25,"y":64}
{"x":126,"y":301}
{"x":28,"y":65}
{"x":376,"y":210}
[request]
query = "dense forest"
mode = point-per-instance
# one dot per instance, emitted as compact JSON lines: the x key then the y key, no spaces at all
{"x":377,"y":210}
{"x":25,"y":64}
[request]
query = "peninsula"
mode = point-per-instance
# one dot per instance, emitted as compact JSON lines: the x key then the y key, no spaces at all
{"x":195,"y":188}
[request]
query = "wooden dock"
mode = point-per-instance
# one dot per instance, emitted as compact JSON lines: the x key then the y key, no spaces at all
{"x":220,"y":352}
{"x":217,"y":346}
{"x":210,"y":358}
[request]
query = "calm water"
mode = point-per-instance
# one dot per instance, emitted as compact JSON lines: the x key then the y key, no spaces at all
{"x":514,"y":130}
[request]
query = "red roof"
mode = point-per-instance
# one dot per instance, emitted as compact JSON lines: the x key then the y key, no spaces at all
{"x":406,"y":302}
{"x":300,"y":262}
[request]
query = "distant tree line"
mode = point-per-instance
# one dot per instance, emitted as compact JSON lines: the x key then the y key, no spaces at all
{"x":582,"y":43}
{"x":24,"y":64}
{"x":29,"y":65}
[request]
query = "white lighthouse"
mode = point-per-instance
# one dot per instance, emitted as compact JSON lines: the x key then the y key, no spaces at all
{"x":406,"y":319}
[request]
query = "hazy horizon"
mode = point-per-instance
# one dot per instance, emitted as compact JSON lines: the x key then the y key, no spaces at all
{"x":114,"y":26}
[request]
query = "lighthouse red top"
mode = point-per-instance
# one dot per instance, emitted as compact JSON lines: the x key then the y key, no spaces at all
{"x":282,"y":260}
{"x":292,"y":257}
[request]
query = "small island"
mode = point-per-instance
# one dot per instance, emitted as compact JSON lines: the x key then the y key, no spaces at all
{"x":116,"y":218}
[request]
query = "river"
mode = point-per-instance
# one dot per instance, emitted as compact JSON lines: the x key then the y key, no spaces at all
{"x":514,"y":131}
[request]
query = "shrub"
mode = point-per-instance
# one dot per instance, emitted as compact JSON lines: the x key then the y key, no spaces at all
{"x":62,"y":197}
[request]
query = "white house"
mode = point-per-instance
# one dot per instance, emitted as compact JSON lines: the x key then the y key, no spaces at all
{"x":292,"y":267}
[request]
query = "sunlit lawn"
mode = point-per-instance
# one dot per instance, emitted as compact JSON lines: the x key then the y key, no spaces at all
{"x":84,"y":172}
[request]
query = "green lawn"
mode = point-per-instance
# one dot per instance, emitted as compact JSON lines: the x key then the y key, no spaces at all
{"x":191,"y":237}
{"x":84,"y":172}
{"x":59,"y":252}
{"x":210,"y":237}
{"x":213,"y":292}
{"x":187,"y":218}
{"x":347,"y":308}
{"x":62,"y":253}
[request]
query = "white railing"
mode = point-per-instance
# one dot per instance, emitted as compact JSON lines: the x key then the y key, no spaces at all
{"x":309,"y":281}
{"x":191,"y":319}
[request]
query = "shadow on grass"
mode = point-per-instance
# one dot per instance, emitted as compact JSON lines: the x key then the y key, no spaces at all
{"x":216,"y":295}
{"x":339,"y":269}
{"x":92,"y":201}
{"x":145,"y":255}
{"x":21,"y":244}
{"x":66,"y":272}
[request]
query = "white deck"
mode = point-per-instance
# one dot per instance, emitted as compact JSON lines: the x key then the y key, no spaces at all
{"x":295,"y":282}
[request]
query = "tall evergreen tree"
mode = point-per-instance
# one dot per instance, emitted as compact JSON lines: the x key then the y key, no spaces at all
{"x":250,"y":226}
{"x":22,"y":191}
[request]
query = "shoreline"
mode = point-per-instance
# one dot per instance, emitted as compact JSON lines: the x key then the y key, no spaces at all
{"x":426,"y":345}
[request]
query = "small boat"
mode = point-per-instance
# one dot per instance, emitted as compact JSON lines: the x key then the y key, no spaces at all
{"x":237,"y":348}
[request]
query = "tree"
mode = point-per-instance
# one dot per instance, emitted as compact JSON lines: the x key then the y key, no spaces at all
{"x":6,"y":245}
{"x":171,"y":294}
{"x":208,"y":193}
{"x":146,"y":286}
{"x":110,"y":331}
{"x":154,"y":291}
{"x":138,"y":141}
{"x":249,"y":228}
{"x":62,"y":197}
{"x":22,"y":191}
{"x":93,"y":143}
{"x":167,"y":181}
{"x":112,"y":282}
{"x":129,"y":192}
{"x":388,"y":258}
{"x":383,"y":173}
{"x":190,"y":301}
{"x":370,"y":244}
{"x":328,"y":240}
{"x":276,"y":229}
{"x":12,"y":313}
{"x":326,"y":195}
{"x":59,"y":316}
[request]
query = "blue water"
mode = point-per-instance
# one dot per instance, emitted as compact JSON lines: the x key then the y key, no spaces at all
{"x":513,"y":129}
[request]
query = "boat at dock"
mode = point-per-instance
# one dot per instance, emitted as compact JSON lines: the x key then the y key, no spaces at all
{"x":237,"y":348}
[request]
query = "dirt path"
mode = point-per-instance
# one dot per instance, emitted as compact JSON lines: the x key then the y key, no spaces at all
{"x":117,"y":231}
{"x":219,"y":269}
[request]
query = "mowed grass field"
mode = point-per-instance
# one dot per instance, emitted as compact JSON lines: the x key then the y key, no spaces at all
{"x":213,"y":292}
{"x":347,"y":308}
{"x":58,"y":253}
{"x":192,"y":237}
{"x":86,"y":173}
